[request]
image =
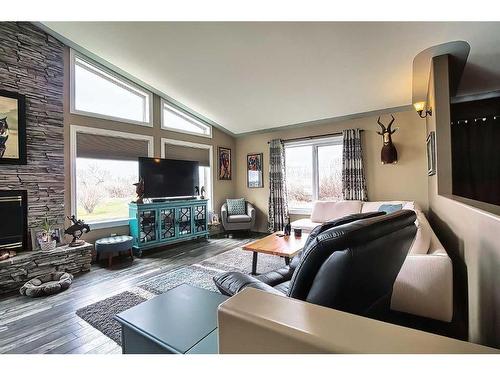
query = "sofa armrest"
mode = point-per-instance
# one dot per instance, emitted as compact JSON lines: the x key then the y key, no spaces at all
{"x":253,"y":322}
{"x":223,"y":213}
{"x":424,"y":287}
{"x":251,"y":211}
{"x":231,"y":283}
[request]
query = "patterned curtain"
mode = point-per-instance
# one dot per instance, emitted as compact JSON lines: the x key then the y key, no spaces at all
{"x":278,"y":201}
{"x":353,"y":175}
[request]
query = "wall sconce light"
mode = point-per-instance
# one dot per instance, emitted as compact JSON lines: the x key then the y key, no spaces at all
{"x":420,"y":108}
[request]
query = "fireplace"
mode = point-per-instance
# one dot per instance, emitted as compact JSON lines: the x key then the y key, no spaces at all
{"x":13,"y":220}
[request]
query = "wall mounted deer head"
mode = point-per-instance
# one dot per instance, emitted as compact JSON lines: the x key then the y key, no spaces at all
{"x":389,"y":154}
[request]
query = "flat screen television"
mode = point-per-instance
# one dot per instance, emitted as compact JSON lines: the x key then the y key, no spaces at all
{"x":168,"y":178}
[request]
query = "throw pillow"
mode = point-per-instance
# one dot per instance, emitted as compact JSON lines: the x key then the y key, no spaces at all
{"x":390,"y":208}
{"x":236,"y":206}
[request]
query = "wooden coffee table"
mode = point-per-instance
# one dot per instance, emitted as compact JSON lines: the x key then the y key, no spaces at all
{"x":283,"y":246}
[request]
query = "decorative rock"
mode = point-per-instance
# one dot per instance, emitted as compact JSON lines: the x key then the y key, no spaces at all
{"x":14,"y":272}
{"x":46,"y":285}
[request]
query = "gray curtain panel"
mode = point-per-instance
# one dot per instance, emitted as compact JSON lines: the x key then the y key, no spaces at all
{"x":278,"y":201}
{"x":353,"y":175}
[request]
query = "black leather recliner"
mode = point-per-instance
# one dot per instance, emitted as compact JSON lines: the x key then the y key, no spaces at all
{"x":349,"y":264}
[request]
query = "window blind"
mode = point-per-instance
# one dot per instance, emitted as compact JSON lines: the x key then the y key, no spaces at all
{"x":177,"y":152}
{"x":106,"y":147}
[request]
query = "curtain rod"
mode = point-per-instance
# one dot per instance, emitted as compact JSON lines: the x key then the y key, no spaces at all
{"x":311,"y":137}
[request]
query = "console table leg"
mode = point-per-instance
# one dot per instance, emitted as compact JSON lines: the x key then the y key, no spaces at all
{"x":254,"y":263}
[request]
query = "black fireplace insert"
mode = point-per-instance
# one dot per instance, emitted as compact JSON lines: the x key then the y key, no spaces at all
{"x":13,"y":220}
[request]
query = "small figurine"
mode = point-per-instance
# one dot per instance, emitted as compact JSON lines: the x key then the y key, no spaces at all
{"x":196,"y":190}
{"x":139,"y":190}
{"x":76,"y":230}
{"x":203,"y":191}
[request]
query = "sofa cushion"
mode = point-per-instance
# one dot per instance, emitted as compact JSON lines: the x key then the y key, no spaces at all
{"x":422,"y":242}
{"x":283,"y":287}
{"x":236,"y":206}
{"x":277,"y":276}
{"x":239,"y":219}
{"x":328,"y":210}
{"x":390,"y":208}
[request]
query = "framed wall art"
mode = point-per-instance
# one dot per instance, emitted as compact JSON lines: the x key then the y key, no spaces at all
{"x":255,"y":170}
{"x":12,"y":128}
{"x":225,"y":163}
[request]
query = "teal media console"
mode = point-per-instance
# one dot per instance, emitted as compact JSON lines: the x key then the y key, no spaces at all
{"x":160,"y":223}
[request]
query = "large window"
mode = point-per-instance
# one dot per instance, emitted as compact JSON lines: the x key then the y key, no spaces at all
{"x":104,"y":169}
{"x":100,"y":93}
{"x":313,"y":172}
{"x":179,"y":121}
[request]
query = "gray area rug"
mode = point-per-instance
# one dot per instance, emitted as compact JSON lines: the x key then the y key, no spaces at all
{"x":100,"y":314}
{"x":240,"y":260}
{"x":193,"y":275}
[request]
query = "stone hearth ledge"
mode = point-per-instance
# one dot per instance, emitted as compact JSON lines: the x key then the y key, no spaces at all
{"x":15,"y":271}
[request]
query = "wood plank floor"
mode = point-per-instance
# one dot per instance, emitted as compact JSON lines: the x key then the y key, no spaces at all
{"x":50,"y":325}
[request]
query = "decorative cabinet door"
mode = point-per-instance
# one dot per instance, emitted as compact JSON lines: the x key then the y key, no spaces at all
{"x":147,"y":226}
{"x":184,"y":218}
{"x":167,"y":223}
{"x":200,"y":218}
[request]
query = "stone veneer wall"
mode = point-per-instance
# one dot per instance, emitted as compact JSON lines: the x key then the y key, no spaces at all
{"x":31,"y":63}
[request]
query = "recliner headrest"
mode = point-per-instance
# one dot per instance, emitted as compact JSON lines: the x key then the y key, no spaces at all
{"x":368,"y":229}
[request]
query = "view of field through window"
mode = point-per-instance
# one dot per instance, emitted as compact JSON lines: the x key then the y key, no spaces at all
{"x":301,"y":161}
{"x":330,"y":172}
{"x":105,"y":187}
{"x":299,"y":176}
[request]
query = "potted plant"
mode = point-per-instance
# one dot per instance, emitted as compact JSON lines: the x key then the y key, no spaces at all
{"x":47,"y":241}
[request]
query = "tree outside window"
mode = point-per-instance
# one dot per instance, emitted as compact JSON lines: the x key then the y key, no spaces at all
{"x":313,"y":172}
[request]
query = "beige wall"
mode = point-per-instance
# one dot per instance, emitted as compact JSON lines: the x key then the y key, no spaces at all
{"x":222,"y":189}
{"x":404,"y":180}
{"x":470,"y":235}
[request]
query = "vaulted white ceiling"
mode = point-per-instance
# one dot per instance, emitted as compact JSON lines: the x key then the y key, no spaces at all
{"x":252,"y":76}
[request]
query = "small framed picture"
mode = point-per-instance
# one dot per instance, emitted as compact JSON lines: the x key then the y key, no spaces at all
{"x":39,"y":235}
{"x":12,"y":128}
{"x":431,"y":154}
{"x":225,"y":163}
{"x":254,"y":170}
{"x":215,"y":219}
{"x":58,"y":235}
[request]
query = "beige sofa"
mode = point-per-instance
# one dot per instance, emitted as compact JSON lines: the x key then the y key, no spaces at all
{"x":424,"y":286}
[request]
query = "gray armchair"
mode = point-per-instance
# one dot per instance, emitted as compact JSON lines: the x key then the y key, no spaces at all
{"x":238,"y":222}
